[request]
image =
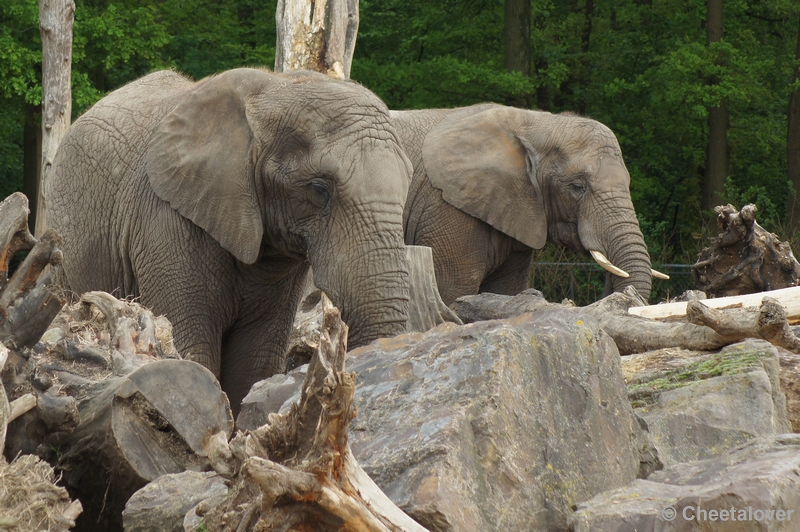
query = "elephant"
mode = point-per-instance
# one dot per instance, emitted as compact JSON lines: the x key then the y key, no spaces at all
{"x":491,"y":183}
{"x":209,"y":201}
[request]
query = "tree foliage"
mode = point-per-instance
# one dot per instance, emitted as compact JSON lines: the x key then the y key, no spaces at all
{"x":642,"y":67}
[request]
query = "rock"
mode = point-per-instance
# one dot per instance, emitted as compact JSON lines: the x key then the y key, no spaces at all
{"x":268,"y":396}
{"x":496,"y":424}
{"x":486,"y":306}
{"x":699,"y":405}
{"x":790,"y":384}
{"x":752,"y":487}
{"x":163,"y":504}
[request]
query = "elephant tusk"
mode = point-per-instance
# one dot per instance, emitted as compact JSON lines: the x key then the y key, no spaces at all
{"x":606,"y":264}
{"x":659,"y":275}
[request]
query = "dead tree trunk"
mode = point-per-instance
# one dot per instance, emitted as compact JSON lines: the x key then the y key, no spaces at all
{"x":318,"y":35}
{"x":793,"y":146}
{"x":297,"y":472}
{"x":55,"y":22}
{"x":716,"y":171}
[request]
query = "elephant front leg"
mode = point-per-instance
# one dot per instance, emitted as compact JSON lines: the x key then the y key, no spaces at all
{"x":254,"y":348}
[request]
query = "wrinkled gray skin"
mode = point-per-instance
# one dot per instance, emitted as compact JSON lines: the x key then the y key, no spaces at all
{"x":491,"y":183}
{"x":209,"y":200}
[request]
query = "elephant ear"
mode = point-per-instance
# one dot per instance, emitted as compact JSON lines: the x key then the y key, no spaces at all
{"x":484,"y":169}
{"x":201,"y":159}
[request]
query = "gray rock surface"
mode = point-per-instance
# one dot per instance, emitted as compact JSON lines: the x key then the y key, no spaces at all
{"x":753,"y":487}
{"x":691,"y":414}
{"x":498,"y":425}
{"x":163,"y":503}
{"x":268,"y":396}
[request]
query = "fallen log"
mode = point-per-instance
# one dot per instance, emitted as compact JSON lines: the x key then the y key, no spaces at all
{"x":116,"y":406}
{"x":706,"y":327}
{"x":297,"y":472}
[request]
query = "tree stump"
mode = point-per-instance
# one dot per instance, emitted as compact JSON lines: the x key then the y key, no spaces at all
{"x":744,"y":258}
{"x":114,"y":411}
{"x":297,"y":472}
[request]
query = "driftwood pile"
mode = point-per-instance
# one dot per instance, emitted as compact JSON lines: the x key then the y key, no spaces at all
{"x":744,"y":258}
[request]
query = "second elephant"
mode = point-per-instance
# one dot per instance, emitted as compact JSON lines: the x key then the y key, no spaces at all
{"x":491,"y":183}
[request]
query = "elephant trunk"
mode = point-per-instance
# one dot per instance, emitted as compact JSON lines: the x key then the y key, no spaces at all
{"x":628,"y":251}
{"x":368,"y":281}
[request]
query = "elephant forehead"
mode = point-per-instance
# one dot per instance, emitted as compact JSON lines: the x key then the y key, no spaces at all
{"x":380,"y":167}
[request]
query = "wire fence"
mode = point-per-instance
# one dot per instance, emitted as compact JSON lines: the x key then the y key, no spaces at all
{"x":584,"y":282}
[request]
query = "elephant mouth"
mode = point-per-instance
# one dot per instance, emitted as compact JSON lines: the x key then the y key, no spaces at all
{"x":608,"y":266}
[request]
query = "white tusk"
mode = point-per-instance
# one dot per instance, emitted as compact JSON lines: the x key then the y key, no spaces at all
{"x":659,"y":275}
{"x":606,"y":264}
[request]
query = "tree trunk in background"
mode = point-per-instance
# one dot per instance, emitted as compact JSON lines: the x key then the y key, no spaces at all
{"x":586,"y":39}
{"x":517,"y":38}
{"x":717,"y":151}
{"x":793,"y":149}
{"x":32,"y":159}
{"x":318,"y":35}
{"x":55,"y":22}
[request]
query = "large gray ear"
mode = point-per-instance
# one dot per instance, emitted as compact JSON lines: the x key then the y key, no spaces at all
{"x":201,"y":159}
{"x":483,"y":168}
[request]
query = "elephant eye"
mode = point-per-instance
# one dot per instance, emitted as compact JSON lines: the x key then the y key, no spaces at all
{"x":319,"y":192}
{"x":578,"y":188}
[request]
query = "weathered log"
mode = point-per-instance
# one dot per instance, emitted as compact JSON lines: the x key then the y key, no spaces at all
{"x":703,"y":327}
{"x":788,"y":297}
{"x":113,"y":412}
{"x":706,"y":328}
{"x":744,"y":258}
{"x":297,"y":472}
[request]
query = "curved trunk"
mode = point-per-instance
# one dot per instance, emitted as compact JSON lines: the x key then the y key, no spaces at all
{"x":367,"y":281}
{"x":626,"y":249}
{"x":616,"y":234}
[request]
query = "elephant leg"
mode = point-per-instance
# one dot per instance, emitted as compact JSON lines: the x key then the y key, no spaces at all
{"x":511,"y":277}
{"x":186,"y":279}
{"x":254,"y":348}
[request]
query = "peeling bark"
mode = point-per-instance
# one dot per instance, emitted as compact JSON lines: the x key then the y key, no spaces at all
{"x":317,"y":35}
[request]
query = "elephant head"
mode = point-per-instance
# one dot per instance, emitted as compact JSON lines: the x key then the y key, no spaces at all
{"x":294,"y":167}
{"x":534,"y":175}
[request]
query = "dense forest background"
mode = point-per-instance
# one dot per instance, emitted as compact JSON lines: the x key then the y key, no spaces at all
{"x":646,"y":68}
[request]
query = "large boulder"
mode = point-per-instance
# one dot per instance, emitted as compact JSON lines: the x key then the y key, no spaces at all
{"x":494,"y":425}
{"x":697,"y":405}
{"x":752,"y":487}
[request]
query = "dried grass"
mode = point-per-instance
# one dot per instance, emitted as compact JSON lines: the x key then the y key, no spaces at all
{"x":29,"y":498}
